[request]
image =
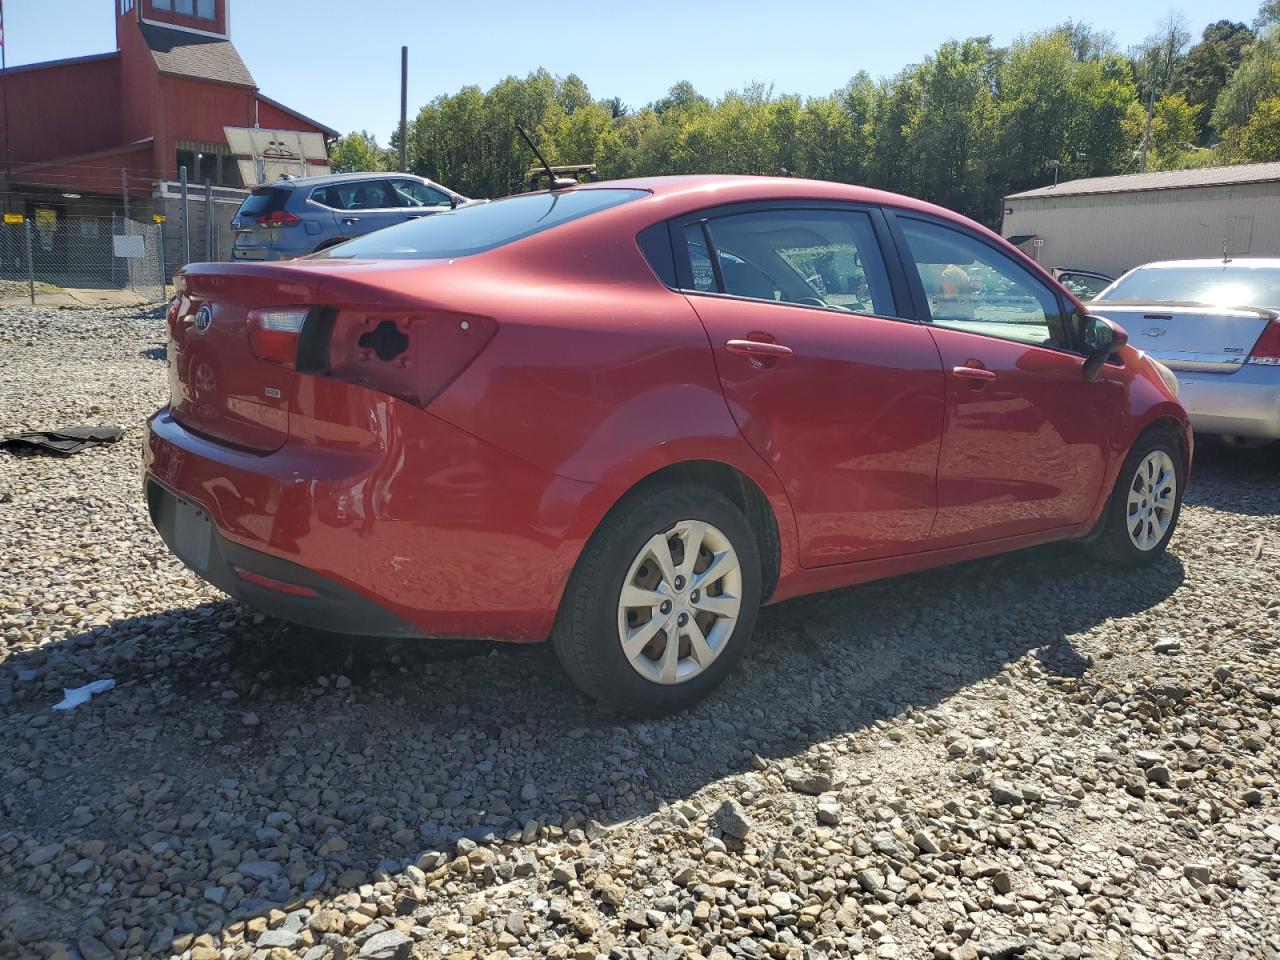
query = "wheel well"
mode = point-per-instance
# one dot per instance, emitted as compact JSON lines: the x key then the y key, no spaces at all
{"x":333,"y":242}
{"x":748,"y":497}
{"x":1171,"y":425}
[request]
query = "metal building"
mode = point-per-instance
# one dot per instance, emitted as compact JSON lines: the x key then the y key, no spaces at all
{"x":1111,"y":224}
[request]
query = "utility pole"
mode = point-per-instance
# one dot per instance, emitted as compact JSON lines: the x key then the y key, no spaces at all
{"x":4,"y":94}
{"x":1146,"y":134}
{"x":186,"y":224}
{"x":208,"y":221}
{"x":404,"y":109}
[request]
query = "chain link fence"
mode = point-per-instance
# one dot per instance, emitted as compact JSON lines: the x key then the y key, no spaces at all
{"x":97,"y":253}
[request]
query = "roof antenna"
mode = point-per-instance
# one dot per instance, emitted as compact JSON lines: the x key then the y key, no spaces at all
{"x":555,"y":183}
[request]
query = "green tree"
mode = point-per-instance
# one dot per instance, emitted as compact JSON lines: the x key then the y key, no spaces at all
{"x":1174,"y":125}
{"x":357,"y":153}
{"x":1209,"y":65}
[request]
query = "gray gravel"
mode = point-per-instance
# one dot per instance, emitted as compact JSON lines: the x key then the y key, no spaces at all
{"x":1028,"y":756}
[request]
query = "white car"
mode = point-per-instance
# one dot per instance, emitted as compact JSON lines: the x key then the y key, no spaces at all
{"x":1216,"y":324}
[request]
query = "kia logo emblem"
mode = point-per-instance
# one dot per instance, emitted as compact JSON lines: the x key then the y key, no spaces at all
{"x":204,"y":318}
{"x":1153,"y":332}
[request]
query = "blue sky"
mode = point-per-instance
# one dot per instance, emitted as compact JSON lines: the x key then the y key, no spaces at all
{"x":339,"y":62}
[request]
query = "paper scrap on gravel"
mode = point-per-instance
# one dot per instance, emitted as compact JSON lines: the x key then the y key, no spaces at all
{"x":73,"y":698}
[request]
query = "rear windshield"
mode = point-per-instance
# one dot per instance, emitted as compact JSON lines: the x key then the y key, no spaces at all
{"x":468,"y":230}
{"x":263,"y":201}
{"x":1222,"y":286}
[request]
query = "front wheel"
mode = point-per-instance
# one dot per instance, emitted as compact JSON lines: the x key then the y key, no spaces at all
{"x":1143,"y":511}
{"x":662,"y":602}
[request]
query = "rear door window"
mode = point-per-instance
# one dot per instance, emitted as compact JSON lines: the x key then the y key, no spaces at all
{"x":814,"y":258}
{"x":360,"y":195}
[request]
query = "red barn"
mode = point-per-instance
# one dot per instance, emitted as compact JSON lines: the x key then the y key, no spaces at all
{"x":160,"y":101}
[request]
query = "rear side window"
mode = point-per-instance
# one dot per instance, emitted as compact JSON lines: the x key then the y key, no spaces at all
{"x":263,"y":201}
{"x":469,"y":230}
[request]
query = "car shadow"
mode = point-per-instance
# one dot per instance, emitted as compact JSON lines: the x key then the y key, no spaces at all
{"x":273,"y":763}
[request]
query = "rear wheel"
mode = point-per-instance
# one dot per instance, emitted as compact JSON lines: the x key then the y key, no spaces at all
{"x":1143,"y":511}
{"x":662,"y":602}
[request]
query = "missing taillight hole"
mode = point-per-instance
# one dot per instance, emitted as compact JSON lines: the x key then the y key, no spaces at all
{"x":385,"y":340}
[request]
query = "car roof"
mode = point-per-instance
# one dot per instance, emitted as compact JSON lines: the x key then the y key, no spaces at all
{"x":331,"y":178}
{"x":694,"y":191}
{"x":735,"y":188}
{"x":1246,"y":263}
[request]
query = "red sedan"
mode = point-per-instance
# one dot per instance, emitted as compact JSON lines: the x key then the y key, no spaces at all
{"x":624,"y":415}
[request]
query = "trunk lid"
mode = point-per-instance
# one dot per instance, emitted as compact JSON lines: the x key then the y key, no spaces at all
{"x":217,"y":386}
{"x":363,"y":327}
{"x":253,"y":238}
{"x":1189,"y":336}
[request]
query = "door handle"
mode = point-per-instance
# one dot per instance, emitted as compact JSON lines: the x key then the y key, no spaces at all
{"x":973,"y":373}
{"x":350,"y":219}
{"x":756,"y":348}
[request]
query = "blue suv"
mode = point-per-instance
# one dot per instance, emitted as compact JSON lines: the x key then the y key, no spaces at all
{"x":293,"y":218}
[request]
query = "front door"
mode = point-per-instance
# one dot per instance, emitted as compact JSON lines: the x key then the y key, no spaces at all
{"x":843,"y":400}
{"x":1025,"y":444}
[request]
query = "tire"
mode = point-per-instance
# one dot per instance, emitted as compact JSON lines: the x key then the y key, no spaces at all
{"x":588,"y":635}
{"x":1114,"y":541}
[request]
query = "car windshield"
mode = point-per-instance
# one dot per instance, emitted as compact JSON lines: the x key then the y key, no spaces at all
{"x":468,"y":230}
{"x":1224,"y":285}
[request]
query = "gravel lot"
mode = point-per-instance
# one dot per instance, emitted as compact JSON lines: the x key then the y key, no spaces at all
{"x":1028,"y":756}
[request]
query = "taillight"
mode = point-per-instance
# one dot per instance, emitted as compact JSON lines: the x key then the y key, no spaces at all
{"x":413,"y":356}
{"x":279,"y":218}
{"x":171,"y":315}
{"x":273,"y":334}
{"x":1267,"y":349}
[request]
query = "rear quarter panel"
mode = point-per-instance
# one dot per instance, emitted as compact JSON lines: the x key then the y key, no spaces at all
{"x":598,"y":373}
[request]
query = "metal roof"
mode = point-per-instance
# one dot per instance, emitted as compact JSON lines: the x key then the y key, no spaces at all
{"x":194,"y":55}
{"x":1162,"y":180}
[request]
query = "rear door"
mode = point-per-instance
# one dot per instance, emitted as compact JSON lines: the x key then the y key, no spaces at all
{"x":363,"y":206}
{"x":1026,"y":438}
{"x":838,"y":394}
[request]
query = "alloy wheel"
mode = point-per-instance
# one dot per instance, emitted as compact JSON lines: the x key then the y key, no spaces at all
{"x":679,"y":602}
{"x":1152,"y":499}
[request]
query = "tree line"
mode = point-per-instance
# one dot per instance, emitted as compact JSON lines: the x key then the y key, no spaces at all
{"x":970,"y":124}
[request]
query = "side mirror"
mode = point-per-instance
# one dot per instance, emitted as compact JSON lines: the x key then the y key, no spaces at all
{"x":454,"y":200}
{"x":1102,"y":339}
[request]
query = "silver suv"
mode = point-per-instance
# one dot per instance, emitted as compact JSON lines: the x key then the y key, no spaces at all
{"x":292,"y":218}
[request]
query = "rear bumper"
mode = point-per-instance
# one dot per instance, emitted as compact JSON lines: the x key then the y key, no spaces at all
{"x":1245,"y":403}
{"x":433,"y":533}
{"x":300,"y":595}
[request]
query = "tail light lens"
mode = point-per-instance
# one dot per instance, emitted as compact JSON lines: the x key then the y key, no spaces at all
{"x":279,"y":218}
{"x":411,"y":356}
{"x":274,"y":333}
{"x":171,"y":315}
{"x":1267,"y":350}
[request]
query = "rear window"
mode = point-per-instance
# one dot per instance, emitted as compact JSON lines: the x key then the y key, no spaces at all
{"x":264,"y":200}
{"x":468,"y":230}
{"x":1221,"y":286}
